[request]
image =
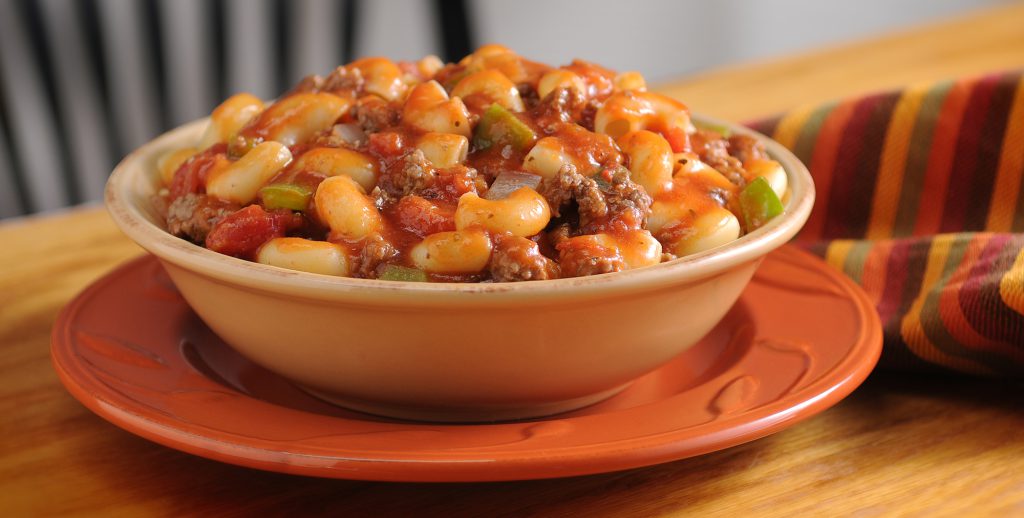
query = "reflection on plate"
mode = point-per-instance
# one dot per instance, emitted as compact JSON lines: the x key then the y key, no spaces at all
{"x":800,"y":338}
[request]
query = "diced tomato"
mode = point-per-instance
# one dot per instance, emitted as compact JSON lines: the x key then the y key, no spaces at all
{"x":451,"y":184}
{"x":578,"y":256}
{"x":386,"y":145}
{"x":421,"y":217}
{"x":240,"y":234}
{"x":462,"y":182}
{"x":624,"y":221}
{"x":191,"y":176}
{"x":678,"y":139}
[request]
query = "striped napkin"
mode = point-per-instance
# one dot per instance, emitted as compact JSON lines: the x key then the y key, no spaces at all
{"x":920,"y":201}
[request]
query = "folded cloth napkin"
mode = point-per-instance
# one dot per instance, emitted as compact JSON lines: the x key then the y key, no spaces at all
{"x":920,"y":200}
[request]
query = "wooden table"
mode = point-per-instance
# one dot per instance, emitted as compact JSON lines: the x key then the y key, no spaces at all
{"x":899,"y":445}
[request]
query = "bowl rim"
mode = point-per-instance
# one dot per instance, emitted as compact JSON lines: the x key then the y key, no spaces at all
{"x":123,"y":183}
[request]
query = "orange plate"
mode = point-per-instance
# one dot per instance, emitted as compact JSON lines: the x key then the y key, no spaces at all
{"x":800,"y":338}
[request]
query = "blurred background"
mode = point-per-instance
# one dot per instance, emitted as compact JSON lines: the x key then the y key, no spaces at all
{"x":83,"y":82}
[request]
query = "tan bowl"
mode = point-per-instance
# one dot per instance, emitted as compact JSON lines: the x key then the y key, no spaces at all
{"x":445,"y":351}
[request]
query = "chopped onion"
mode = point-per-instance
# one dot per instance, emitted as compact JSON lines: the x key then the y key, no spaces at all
{"x":351,"y":133}
{"x":510,"y":181}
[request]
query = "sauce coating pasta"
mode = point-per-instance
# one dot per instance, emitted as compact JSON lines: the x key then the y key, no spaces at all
{"x":492,"y":169}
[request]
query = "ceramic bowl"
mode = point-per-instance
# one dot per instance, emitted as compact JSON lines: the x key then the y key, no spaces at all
{"x":446,"y":351}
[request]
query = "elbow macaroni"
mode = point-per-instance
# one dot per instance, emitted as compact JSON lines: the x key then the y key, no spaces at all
{"x":168,"y":163}
{"x":574,"y":146}
{"x":241,"y":180}
{"x":429,"y":66}
{"x":499,"y":58}
{"x":340,"y":161}
{"x":444,"y":150}
{"x":229,"y":118}
{"x":625,"y":112}
{"x":650,"y":160}
{"x":383,"y":77}
{"x":546,"y":158}
{"x":710,"y":230}
{"x":305,"y":255}
{"x":453,"y":252}
{"x":429,"y":109}
{"x":297,"y":118}
{"x":349,"y":213}
{"x":491,"y":85}
{"x":559,"y":78}
{"x":630,"y":81}
{"x":522,"y":213}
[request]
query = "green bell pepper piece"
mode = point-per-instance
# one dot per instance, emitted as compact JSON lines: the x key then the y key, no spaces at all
{"x":759,"y":203}
{"x":394,"y":272}
{"x":721,"y":129}
{"x":285,"y":196}
{"x":500,"y":126}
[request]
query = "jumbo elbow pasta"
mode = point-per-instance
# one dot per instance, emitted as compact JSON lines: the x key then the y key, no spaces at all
{"x":492,"y":169}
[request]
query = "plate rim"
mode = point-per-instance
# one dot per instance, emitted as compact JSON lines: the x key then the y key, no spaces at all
{"x":458,"y":466}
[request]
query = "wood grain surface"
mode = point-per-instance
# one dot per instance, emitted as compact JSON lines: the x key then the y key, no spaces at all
{"x":988,"y":42}
{"x":899,"y":446}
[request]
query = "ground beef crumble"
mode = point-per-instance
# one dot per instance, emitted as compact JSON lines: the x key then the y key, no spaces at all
{"x":410,"y":176}
{"x":626,"y":199}
{"x":519,"y":259}
{"x":568,"y":186}
{"x":375,"y":114}
{"x":745,"y":147}
{"x":192,"y":215}
{"x":578,"y":259}
{"x":375,"y":252}
{"x":344,"y":79}
{"x":727,"y":155}
{"x":561,"y":105}
{"x":607,"y":196}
